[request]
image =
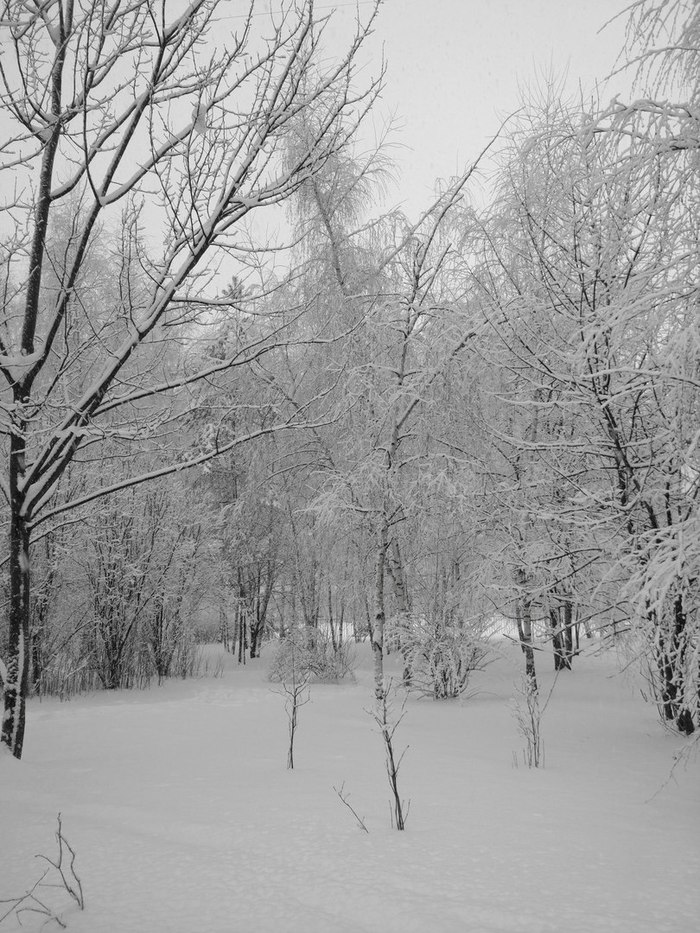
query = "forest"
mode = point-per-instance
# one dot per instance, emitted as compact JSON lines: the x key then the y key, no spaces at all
{"x":291,"y":477}
{"x":360,"y":427}
{"x":412,"y":432}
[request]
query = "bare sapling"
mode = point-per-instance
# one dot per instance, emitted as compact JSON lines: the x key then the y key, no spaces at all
{"x":297,"y":694}
{"x":381,"y":713}
{"x":68,"y":881}
{"x":388,"y":724}
{"x":528,"y":715}
{"x":295,"y":690}
{"x":293,"y":673}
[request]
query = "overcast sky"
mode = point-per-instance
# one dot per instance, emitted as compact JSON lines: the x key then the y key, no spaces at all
{"x":456,"y":67}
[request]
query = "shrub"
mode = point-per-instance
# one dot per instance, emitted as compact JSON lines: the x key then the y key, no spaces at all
{"x":309,"y":653}
{"x":440,"y":658}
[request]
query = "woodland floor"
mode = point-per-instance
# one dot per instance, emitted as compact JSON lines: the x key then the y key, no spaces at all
{"x":185,"y":819}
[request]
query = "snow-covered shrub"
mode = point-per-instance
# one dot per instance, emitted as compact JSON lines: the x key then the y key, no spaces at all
{"x":439,"y":658}
{"x":309,"y":652}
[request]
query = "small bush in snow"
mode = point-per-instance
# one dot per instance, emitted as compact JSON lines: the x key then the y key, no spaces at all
{"x":440,"y":658}
{"x":310,"y":653}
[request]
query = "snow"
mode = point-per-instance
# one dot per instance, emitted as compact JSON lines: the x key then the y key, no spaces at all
{"x":185,"y":819}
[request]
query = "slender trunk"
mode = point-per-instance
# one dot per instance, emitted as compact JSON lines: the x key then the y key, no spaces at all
{"x":241,"y":633}
{"x":37,"y":658}
{"x":293,"y":700}
{"x":224,"y":632}
{"x":254,"y":616}
{"x":331,"y":620}
{"x":379,"y":615}
{"x":368,"y":618}
{"x":519,"y":623}
{"x":38,"y":618}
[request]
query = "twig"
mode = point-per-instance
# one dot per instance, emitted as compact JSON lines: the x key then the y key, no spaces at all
{"x":70,"y":882}
{"x":73,"y":884}
{"x":345,"y":800}
{"x":30,"y":903}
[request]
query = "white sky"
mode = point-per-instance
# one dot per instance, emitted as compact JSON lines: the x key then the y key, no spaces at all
{"x":456,"y":67}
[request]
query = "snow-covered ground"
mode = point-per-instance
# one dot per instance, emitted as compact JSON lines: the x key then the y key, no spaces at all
{"x":185,"y":819}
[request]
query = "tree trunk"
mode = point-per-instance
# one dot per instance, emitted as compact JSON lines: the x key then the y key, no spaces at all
{"x":561,"y":659}
{"x":519,"y":623}
{"x":368,"y":618}
{"x":331,"y":620}
{"x":241,"y":633}
{"x":568,"y":633}
{"x":17,"y":662}
{"x":224,"y":632}
{"x":255,"y":638}
{"x":38,"y":617}
{"x":671,"y":662}
{"x":526,"y":643}
{"x":395,"y":567}
{"x":379,"y":615}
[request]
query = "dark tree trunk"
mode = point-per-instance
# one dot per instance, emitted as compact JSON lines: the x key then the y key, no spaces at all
{"x":568,"y":633}
{"x":519,"y":623}
{"x":16,"y":684}
{"x":37,"y":657}
{"x":526,"y":644}
{"x":256,"y":638}
{"x":241,"y":632}
{"x":671,"y":663}
{"x":561,"y":660}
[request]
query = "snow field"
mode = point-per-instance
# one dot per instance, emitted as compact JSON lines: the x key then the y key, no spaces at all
{"x":184,"y":818}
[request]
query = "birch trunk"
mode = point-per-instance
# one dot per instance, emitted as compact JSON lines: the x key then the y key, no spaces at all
{"x":379,"y":615}
{"x":527,"y":644}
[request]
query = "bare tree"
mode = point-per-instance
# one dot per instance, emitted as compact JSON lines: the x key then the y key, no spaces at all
{"x":118,"y":113}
